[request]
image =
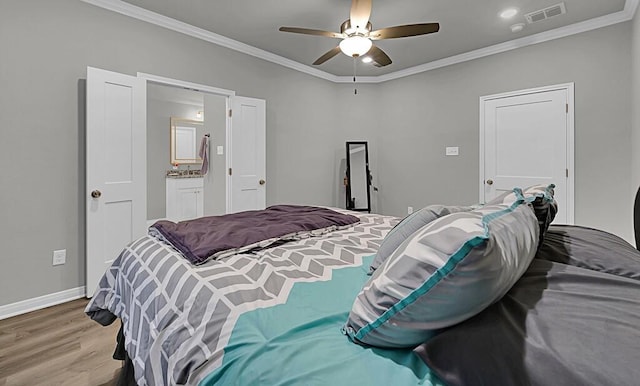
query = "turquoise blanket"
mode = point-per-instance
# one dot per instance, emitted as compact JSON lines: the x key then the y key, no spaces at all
{"x":301,"y":343}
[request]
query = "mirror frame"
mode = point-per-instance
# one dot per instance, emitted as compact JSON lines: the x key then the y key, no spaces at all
{"x":349,"y":201}
{"x":173,"y":124}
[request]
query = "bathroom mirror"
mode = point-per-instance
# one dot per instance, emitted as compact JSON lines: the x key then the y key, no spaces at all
{"x":358,"y":177}
{"x":183,"y":144}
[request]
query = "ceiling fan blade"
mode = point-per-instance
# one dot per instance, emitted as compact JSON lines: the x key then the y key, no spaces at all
{"x":330,"y":54}
{"x":402,"y":31}
{"x":360,"y":13}
{"x":308,"y":31}
{"x":380,"y":59}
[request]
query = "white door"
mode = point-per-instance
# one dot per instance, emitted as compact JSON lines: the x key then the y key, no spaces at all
{"x":115,"y":168}
{"x":527,"y":139}
{"x":247,"y":174}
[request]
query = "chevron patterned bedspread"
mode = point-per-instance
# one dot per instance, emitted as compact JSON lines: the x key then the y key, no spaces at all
{"x":178,"y":318}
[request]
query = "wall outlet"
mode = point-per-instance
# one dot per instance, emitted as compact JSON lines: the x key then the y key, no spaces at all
{"x":59,"y":257}
{"x":409,"y":209}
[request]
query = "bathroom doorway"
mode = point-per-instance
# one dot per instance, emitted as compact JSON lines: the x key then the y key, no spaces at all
{"x":164,"y":103}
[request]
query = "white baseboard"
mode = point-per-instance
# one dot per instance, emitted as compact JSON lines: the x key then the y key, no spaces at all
{"x":24,"y":306}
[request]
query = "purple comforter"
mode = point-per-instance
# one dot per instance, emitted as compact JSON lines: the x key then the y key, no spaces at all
{"x":218,"y":236}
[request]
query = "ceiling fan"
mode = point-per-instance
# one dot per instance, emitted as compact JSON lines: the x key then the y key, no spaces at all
{"x":357,"y":35}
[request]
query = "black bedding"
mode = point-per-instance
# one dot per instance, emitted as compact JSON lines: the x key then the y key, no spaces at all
{"x":592,"y":249}
{"x":572,"y":319}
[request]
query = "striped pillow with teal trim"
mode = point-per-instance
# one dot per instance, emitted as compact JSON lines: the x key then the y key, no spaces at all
{"x":543,"y":202}
{"x":446,"y":272}
{"x":408,"y":226}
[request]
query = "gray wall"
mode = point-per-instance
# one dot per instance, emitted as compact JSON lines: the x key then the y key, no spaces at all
{"x":46,"y":47}
{"x":215,"y":183}
{"x":635,"y":102}
{"x":426,"y":112}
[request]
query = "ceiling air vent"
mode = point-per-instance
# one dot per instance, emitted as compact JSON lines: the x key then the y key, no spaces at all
{"x":546,"y":13}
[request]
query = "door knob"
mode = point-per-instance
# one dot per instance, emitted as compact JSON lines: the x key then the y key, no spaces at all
{"x":96,"y":194}
{"x":489,"y":182}
{"x":262,"y":182}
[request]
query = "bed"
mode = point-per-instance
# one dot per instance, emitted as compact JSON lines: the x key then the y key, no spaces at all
{"x":274,"y":313}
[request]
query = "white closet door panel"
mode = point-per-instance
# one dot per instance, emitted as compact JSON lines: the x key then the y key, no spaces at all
{"x":248,"y":179}
{"x":525,"y":143}
{"x":115,"y":168}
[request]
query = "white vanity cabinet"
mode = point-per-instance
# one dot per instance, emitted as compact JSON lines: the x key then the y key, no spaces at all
{"x":185,"y":198}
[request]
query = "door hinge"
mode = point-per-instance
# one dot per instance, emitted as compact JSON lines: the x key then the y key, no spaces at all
{"x":567,"y":172}
{"x":567,"y":108}
{"x":230,"y":113}
{"x":230,"y":171}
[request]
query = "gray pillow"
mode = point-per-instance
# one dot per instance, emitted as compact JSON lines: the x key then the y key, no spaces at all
{"x":542,"y":200}
{"x":408,"y":226}
{"x":446,"y":272}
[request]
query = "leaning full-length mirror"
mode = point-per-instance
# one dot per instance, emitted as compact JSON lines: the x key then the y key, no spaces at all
{"x":358,"y":180}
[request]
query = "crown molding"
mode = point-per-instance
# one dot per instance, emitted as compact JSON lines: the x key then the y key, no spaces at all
{"x":130,"y":10}
{"x":587,"y":25}
{"x":202,"y":34}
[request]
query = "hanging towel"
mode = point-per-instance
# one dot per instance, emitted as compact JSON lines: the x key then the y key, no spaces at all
{"x":204,"y":154}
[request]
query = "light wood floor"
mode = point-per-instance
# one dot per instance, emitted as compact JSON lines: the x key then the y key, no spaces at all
{"x":59,"y":345}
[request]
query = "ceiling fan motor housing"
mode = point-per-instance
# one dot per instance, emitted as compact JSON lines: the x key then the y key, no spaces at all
{"x":348,"y":30}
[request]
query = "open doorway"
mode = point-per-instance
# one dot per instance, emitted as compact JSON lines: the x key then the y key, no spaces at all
{"x":206,"y":113}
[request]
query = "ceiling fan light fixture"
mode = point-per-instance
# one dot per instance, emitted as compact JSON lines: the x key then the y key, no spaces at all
{"x":355,"y":45}
{"x":357,"y":35}
{"x":367,"y":59}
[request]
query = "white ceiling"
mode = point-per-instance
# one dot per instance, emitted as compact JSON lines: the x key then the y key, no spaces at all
{"x":466,"y":26}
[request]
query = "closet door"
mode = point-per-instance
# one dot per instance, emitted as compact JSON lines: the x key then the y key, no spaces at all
{"x":247,"y":174}
{"x":115,"y":168}
{"x":526,"y":139}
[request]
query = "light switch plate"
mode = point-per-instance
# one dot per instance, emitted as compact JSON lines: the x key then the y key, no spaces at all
{"x":451,"y":150}
{"x":59,"y":257}
{"x":220,"y":150}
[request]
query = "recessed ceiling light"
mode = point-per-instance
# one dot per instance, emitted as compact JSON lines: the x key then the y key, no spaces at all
{"x":508,"y":13}
{"x":367,"y":59}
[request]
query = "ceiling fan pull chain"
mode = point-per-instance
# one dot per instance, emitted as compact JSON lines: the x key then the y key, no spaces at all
{"x":355,"y":90}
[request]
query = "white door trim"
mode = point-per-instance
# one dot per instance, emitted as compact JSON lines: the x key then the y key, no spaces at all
{"x":228,"y":94}
{"x":569,"y":89}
